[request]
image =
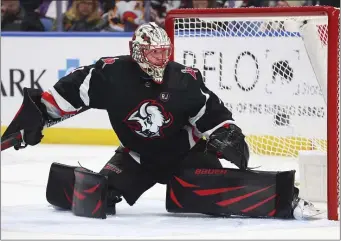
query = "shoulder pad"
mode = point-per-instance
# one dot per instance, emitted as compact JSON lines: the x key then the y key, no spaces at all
{"x":104,"y":61}
{"x":179,"y":75}
{"x":191,"y":71}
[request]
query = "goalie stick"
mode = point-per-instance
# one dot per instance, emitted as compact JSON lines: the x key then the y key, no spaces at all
{"x":15,"y":139}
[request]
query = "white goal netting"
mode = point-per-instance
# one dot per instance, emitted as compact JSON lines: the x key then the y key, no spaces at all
{"x":271,"y":72}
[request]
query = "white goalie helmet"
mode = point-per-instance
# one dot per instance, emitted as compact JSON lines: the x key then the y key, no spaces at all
{"x":151,"y":48}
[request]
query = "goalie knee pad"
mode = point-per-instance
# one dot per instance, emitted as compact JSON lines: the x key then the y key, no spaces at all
{"x":232,"y":192}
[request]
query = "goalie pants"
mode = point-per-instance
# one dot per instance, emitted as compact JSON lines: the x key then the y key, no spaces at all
{"x":132,"y":179}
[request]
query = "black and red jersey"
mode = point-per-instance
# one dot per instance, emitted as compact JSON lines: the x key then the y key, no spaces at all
{"x":157,"y":121}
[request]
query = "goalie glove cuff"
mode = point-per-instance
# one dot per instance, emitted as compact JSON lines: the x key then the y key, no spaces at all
{"x":228,"y":142}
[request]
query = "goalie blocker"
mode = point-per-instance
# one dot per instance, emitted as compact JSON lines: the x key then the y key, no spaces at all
{"x":228,"y":191}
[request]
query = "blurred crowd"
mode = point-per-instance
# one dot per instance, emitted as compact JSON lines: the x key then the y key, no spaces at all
{"x":113,"y":15}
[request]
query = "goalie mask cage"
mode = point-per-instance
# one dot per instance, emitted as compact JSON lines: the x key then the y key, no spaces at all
{"x":276,"y":69}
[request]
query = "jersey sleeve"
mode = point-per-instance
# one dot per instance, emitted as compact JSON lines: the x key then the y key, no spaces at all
{"x":84,"y":86}
{"x":208,"y":112}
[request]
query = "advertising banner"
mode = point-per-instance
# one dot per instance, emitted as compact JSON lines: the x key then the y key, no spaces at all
{"x":267,"y":82}
{"x":39,"y":62}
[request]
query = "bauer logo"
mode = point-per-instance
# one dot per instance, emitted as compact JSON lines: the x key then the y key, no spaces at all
{"x":210,"y":171}
{"x":113,"y":168}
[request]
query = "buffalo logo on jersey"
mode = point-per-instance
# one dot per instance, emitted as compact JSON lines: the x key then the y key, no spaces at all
{"x":149,"y":119}
{"x":108,"y":61}
{"x":190,"y":71}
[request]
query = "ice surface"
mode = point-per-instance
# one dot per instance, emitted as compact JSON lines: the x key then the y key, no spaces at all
{"x":25,"y":212}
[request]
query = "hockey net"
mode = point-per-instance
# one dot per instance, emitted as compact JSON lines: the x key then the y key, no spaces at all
{"x":277,"y":70}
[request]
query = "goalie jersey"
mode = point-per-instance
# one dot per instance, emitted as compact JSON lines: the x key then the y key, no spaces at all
{"x":160,"y":122}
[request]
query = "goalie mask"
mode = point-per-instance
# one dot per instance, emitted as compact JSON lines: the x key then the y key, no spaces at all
{"x":151,"y":49}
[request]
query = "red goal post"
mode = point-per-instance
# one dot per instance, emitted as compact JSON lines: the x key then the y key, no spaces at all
{"x":192,"y":24}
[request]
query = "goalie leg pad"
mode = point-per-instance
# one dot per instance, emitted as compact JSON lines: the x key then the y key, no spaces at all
{"x":231,"y":192}
{"x":60,"y":184}
{"x":90,"y":194}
